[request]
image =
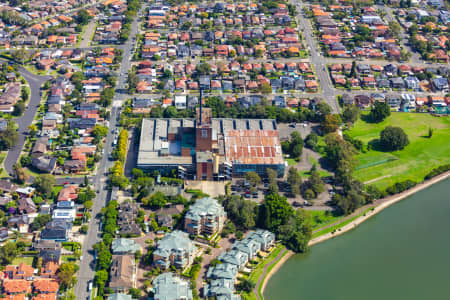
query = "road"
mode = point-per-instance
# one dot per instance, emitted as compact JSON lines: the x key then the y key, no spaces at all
{"x":90,"y":28}
{"x":404,"y":37}
{"x":35,"y":82}
{"x":317,"y":59}
{"x":87,"y":264}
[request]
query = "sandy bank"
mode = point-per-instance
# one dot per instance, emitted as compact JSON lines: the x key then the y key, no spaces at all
{"x":380,"y":205}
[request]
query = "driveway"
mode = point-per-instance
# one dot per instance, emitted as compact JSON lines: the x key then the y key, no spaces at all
{"x":35,"y":82}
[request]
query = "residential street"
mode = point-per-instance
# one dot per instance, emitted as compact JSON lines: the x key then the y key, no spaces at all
{"x":317,"y":60}
{"x":35,"y":82}
{"x":87,"y":264}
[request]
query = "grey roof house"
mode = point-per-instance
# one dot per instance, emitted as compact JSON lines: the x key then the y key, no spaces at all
{"x":206,"y":216}
{"x":124,"y":246}
{"x":168,"y":286}
{"x":175,"y":248}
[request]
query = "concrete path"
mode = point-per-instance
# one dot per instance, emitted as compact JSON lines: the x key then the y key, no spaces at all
{"x":263,"y":275}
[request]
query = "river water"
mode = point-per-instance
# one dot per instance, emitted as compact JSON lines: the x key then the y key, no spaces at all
{"x":402,"y":253}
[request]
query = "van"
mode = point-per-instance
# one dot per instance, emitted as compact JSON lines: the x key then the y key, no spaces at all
{"x":90,"y":286}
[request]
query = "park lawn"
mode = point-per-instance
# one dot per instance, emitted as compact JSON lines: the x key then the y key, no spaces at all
{"x":321,"y":218}
{"x":24,"y":259}
{"x":415,"y":160}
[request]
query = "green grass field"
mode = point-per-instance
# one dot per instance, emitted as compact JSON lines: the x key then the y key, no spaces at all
{"x":321,"y":218}
{"x":25,"y":259}
{"x":415,"y":161}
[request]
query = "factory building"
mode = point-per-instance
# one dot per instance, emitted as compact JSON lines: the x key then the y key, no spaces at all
{"x":207,"y":148}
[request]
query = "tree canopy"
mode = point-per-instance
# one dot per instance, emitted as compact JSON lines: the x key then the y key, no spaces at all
{"x":393,"y":138}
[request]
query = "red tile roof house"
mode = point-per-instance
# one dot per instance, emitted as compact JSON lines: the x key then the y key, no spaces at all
{"x":69,"y":193}
{"x":46,"y":286}
{"x":49,"y":270}
{"x":22,"y":271}
{"x":369,"y":81}
{"x":19,"y":286}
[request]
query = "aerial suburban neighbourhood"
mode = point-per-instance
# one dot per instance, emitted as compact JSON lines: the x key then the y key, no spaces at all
{"x":172,"y":150}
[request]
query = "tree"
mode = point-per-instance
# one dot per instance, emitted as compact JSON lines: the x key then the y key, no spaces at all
{"x":330,"y":123}
{"x":84,"y":229}
{"x":19,"y":108}
{"x":101,"y":277}
{"x":39,"y":222}
{"x":203,"y":69}
{"x":44,"y":184}
{"x":351,"y":114}
{"x":380,"y":111}
{"x":66,"y":274}
{"x":99,"y":132}
{"x":9,"y":137}
{"x":252,"y":178}
{"x":311,"y":140}
{"x":294,"y":180}
{"x":20,"y":55}
{"x":266,"y":88}
{"x":8,"y":253}
{"x":88,"y":204}
{"x":275,"y":211}
{"x":393,"y":138}
{"x":296,"y":145}
{"x":132,"y":81}
{"x":272,"y":177}
{"x":135,"y":293}
{"x":32,"y":130}
{"x":83,"y":17}
{"x":246,"y":285}
{"x":241,"y":212}
{"x":394,"y":29}
{"x":157,"y":200}
{"x":19,"y":173}
{"x":430,"y":132}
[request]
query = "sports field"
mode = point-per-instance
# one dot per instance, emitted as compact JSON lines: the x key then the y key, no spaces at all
{"x":415,"y":161}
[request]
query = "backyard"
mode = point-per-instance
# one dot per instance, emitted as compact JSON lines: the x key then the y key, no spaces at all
{"x":382,"y":169}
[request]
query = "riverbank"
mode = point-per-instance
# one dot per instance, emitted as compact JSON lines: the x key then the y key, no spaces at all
{"x":378,"y":206}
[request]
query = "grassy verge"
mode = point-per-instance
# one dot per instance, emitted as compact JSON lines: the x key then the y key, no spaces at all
{"x":259,"y":270}
{"x":415,"y":160}
{"x":340,"y":225}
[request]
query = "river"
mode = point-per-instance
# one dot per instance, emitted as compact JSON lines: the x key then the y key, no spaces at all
{"x":401,"y":253}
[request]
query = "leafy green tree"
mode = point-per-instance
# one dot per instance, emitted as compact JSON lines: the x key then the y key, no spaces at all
{"x":19,"y":108}
{"x":294,"y":180}
{"x":246,"y":285}
{"x":243,"y":213}
{"x":66,"y":275}
{"x":83,"y":17}
{"x":311,"y":140}
{"x":380,"y":111}
{"x":9,"y":137}
{"x":8,"y":252}
{"x":351,"y":114}
{"x":101,"y":277}
{"x":135,"y":293}
{"x":393,"y":138}
{"x":44,"y":184}
{"x":39,"y":222}
{"x":157,"y":200}
{"x":203,"y":69}
{"x":252,"y":178}
{"x":330,"y":123}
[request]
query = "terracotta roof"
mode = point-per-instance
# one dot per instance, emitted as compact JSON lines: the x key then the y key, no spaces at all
{"x":46,"y":285}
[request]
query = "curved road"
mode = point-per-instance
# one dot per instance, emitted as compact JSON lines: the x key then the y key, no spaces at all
{"x":35,"y":82}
